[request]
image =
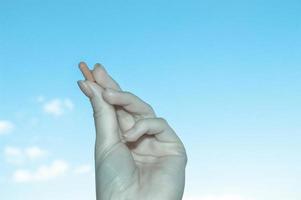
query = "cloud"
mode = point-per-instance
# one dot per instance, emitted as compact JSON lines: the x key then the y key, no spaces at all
{"x":43,"y":173}
{"x":6,"y":127}
{"x":219,"y":197}
{"x":12,"y":151}
{"x":16,"y":155}
{"x":83,"y":169}
{"x":57,"y":107}
{"x":34,"y":152}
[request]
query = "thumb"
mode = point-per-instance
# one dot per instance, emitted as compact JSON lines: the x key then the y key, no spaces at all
{"x":107,"y":130}
{"x":112,"y":157}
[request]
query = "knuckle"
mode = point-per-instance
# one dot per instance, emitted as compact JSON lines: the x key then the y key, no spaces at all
{"x":149,"y":108}
{"x":162,"y":121}
{"x":98,"y":113}
{"x":185,"y":158}
{"x":127,"y":93}
{"x":141,"y":123}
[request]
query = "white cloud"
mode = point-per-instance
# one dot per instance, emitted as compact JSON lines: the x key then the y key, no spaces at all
{"x":34,"y":152}
{"x":43,"y":173}
{"x":83,"y":169}
{"x":12,"y":151}
{"x":58,"y":107}
{"x":6,"y":127}
{"x":218,"y":197}
{"x":16,"y":155}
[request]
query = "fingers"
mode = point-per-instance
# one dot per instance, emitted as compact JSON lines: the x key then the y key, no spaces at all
{"x":99,"y":75}
{"x":156,"y":127}
{"x":129,"y":102}
{"x":126,"y":120}
{"x":86,"y":71}
{"x":103,"y":78}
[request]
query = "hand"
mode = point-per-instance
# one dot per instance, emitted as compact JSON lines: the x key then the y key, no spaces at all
{"x":137,"y":155}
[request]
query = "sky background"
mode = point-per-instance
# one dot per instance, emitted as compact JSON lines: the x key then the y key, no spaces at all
{"x":225,"y":74}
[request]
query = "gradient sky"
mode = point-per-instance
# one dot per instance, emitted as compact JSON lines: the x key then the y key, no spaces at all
{"x":225,"y":74}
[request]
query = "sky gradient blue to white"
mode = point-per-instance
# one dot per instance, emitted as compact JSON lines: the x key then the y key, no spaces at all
{"x":225,"y":74}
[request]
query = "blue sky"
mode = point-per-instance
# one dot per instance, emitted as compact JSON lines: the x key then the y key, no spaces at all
{"x":225,"y":74}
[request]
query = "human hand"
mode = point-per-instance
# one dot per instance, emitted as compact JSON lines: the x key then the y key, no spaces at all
{"x":137,"y":155}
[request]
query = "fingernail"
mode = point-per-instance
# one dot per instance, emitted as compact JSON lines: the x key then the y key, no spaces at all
{"x":85,"y":88}
{"x":81,"y":64}
{"x":98,"y":65}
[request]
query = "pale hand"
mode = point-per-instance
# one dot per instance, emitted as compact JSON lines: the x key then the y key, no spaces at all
{"x":137,"y":155}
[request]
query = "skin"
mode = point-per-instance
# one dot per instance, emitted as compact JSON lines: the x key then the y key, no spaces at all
{"x":137,"y":155}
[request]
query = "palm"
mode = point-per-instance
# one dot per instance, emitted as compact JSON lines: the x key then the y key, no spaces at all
{"x":148,"y":153}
